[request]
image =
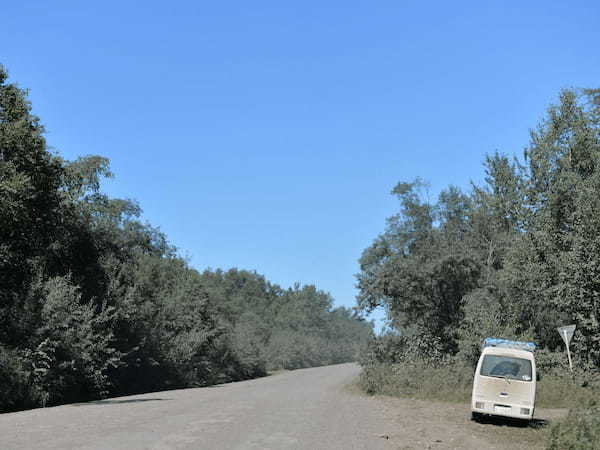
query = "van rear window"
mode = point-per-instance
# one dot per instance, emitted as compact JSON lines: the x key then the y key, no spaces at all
{"x":506,"y":367}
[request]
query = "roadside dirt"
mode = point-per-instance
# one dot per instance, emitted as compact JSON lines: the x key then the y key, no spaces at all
{"x":419,"y":424}
{"x":309,"y":409}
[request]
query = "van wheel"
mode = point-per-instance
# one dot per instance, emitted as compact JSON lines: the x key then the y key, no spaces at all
{"x":476,"y":417}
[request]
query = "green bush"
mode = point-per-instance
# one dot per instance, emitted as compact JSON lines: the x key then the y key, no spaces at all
{"x":444,"y":381}
{"x":248,"y":347}
{"x":14,"y":381}
{"x":289,"y":349}
{"x":559,"y":388}
{"x":75,"y":352}
{"x":392,"y":365}
{"x":579,"y":431}
{"x":563,"y":392}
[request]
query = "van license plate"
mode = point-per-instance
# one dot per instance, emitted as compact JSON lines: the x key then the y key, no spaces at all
{"x":502,"y":409}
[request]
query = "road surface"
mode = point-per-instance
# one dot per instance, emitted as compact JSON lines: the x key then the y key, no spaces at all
{"x":303,"y":409}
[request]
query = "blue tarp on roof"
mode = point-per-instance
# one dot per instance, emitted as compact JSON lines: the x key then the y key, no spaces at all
{"x":505,"y":343}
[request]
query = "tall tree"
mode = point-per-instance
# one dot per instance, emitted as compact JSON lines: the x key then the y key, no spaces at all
{"x":30,"y":199}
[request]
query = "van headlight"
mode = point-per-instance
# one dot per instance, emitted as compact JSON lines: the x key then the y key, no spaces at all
{"x":525,"y":411}
{"x":479,"y":405}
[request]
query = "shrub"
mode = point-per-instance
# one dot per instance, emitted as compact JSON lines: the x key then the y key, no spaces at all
{"x":74,"y":353}
{"x":579,"y":431}
{"x":14,"y":380}
{"x":432,"y":380}
{"x":555,"y":391}
{"x":396,"y":366}
{"x":559,"y":388}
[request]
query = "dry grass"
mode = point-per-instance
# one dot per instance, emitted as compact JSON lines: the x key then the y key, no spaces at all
{"x":453,"y":383}
{"x":450,"y":383}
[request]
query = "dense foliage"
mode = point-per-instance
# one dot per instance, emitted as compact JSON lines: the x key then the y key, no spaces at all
{"x":579,"y":431}
{"x":94,"y":302}
{"x":519,"y":255}
{"x":514,"y":258}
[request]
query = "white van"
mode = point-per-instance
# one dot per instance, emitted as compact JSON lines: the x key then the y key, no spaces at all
{"x":505,"y":380}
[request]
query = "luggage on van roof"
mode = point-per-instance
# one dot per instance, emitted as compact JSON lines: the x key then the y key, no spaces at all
{"x":505,"y":343}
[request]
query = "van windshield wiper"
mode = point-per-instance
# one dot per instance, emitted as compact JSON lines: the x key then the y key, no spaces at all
{"x":506,"y":377}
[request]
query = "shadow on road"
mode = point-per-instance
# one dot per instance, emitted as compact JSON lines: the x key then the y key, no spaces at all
{"x":118,"y":402}
{"x":538,"y":423}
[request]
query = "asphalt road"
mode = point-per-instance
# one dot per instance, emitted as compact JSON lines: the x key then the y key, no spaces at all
{"x":303,"y":409}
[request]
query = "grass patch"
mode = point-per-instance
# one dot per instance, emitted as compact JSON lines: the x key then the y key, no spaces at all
{"x":447,"y":382}
{"x":453,"y":382}
{"x":580,"y":430}
{"x":555,"y":391}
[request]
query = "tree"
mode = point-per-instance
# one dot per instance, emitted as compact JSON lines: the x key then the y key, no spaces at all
{"x":94,"y":302}
{"x":551,"y":273}
{"x":30,"y":199}
{"x":420,"y":268}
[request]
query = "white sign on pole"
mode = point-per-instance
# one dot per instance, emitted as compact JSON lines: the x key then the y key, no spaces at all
{"x":566,"y":333}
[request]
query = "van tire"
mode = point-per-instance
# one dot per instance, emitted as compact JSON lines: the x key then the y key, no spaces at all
{"x":476,"y":417}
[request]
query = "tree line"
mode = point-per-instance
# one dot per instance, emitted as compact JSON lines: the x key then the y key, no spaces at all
{"x":94,"y":302}
{"x":515,"y":256}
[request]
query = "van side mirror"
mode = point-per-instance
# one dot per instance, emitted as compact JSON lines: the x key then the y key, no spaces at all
{"x":538,"y":376}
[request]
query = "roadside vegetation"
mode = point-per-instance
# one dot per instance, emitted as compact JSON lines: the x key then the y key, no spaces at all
{"x":515,"y":258}
{"x":451,"y":380}
{"x":94,"y":302}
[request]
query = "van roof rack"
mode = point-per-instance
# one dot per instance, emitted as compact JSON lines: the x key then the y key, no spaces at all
{"x":505,"y":343}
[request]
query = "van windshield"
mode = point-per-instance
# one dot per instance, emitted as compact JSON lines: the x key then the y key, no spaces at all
{"x":506,"y":367}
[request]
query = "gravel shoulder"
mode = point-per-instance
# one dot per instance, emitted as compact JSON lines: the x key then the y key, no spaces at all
{"x":421,"y":424}
{"x":303,"y":409}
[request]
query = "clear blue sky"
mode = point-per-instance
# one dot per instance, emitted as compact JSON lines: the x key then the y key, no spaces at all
{"x":268,"y":135}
